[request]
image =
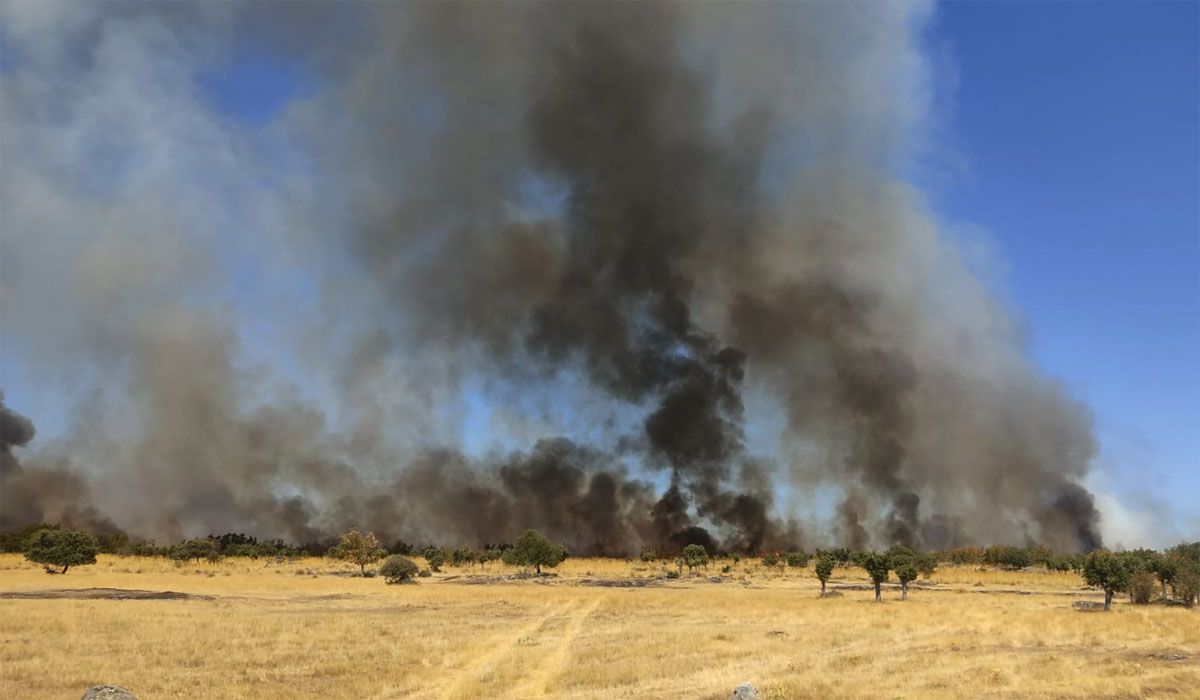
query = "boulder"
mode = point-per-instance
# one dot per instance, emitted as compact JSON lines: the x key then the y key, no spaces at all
{"x":108,"y":692}
{"x":744,"y":691}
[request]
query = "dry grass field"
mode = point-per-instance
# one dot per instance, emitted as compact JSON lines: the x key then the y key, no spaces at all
{"x":261,"y":629}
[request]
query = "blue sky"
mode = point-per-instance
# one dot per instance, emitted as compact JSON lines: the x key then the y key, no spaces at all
{"x":1079,"y":127}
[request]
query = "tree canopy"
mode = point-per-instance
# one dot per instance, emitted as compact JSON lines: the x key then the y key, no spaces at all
{"x":533,"y":549}
{"x":362,"y":548}
{"x":65,"y":548}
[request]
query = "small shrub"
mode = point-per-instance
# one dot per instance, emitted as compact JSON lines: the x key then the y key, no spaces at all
{"x":672,"y":574}
{"x":648,"y":554}
{"x":424,"y":573}
{"x":770,"y":560}
{"x":796,"y":559}
{"x":398,"y":569}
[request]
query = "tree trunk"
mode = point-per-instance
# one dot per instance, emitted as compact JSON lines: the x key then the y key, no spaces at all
{"x":904,"y":592}
{"x":1164,"y":590}
{"x":65,"y":567}
{"x":538,"y":568}
{"x":362,"y":569}
{"x":822,"y":589}
{"x":877,"y":595}
{"x":1108,"y":595}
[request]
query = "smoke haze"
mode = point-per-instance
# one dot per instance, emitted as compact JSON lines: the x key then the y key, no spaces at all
{"x":622,"y":273}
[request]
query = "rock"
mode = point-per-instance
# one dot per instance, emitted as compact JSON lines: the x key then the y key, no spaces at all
{"x":744,"y":691}
{"x":109,"y":692}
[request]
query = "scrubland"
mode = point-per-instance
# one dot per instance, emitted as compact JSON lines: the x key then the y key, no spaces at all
{"x":306,"y":628}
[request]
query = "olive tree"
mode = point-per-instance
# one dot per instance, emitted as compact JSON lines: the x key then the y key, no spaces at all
{"x":362,"y":548}
{"x":1108,"y":571}
{"x":533,"y":549}
{"x":65,"y":548}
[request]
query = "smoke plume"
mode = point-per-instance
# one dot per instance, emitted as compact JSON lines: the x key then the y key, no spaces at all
{"x":665,"y":248}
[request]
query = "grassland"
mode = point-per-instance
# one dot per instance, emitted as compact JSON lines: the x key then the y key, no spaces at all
{"x":262,"y":629}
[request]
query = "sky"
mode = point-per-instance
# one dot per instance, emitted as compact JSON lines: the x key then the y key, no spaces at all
{"x":1063,"y":151}
{"x":1077,"y":129}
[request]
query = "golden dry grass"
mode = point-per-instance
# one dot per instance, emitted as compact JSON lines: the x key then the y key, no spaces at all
{"x":293,"y":630}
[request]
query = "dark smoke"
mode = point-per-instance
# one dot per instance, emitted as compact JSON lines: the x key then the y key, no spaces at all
{"x":630,"y":224}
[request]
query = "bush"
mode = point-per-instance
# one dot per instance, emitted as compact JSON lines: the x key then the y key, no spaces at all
{"x":694,"y":555}
{"x":424,"y":573}
{"x":770,"y":560}
{"x":648,"y":554}
{"x":1187,"y":585}
{"x":435,"y":557}
{"x":398,"y":569}
{"x":796,"y":559}
{"x":197,"y":549}
{"x":1141,"y":587}
{"x":1004,"y":556}
{"x":672,"y":574}
{"x":963,"y":555}
{"x":65,"y":548}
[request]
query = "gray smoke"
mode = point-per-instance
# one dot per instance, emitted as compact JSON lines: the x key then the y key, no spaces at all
{"x":623,"y":222}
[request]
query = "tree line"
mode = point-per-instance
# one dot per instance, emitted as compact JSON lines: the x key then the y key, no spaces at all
{"x":1171,"y":575}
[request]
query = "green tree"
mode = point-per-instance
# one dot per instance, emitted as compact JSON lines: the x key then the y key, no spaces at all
{"x":908,"y":565}
{"x":648,"y":554}
{"x":362,"y":548}
{"x":825,"y":564}
{"x":1108,"y":571}
{"x":694,"y":555}
{"x":198,"y":548}
{"x":876,"y":565}
{"x":533,"y":549}
{"x":796,"y":559}
{"x":65,"y":548}
{"x":490,"y":555}
{"x":435,"y":557}
{"x":1007,"y":557}
{"x":906,"y":572}
{"x":462,"y":557}
{"x":398,"y":569}
{"x":1165,"y":568}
